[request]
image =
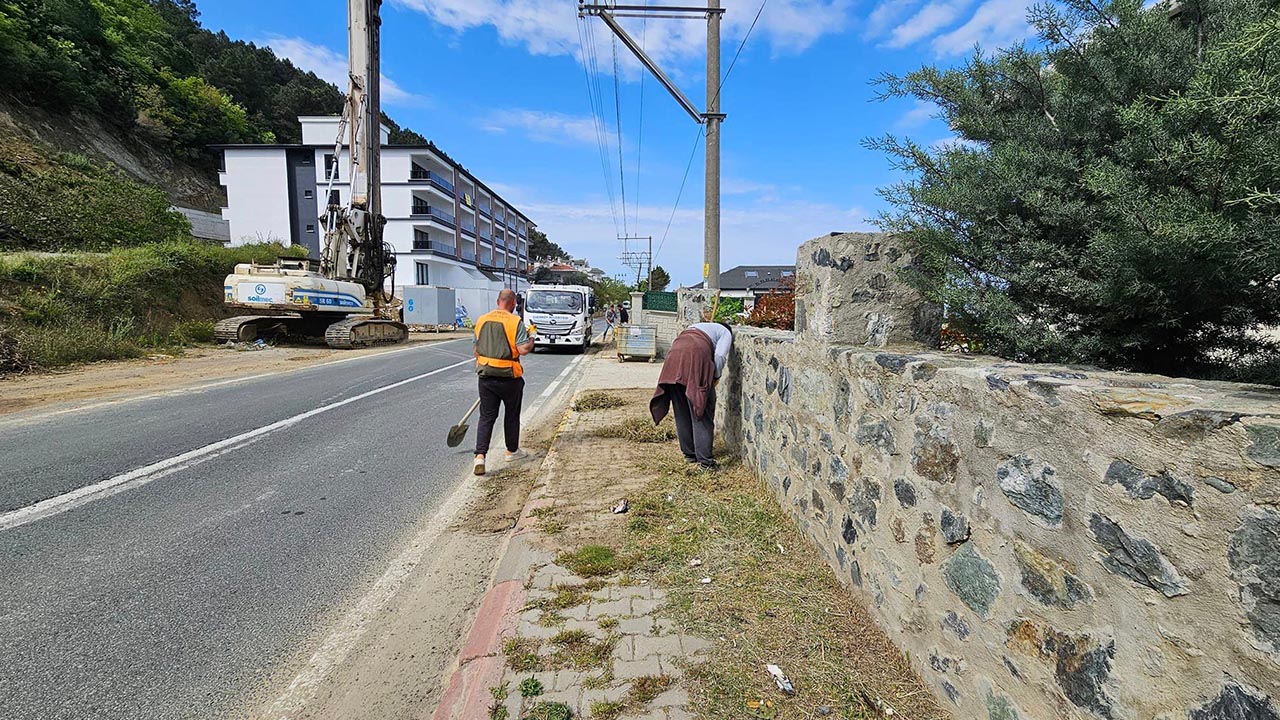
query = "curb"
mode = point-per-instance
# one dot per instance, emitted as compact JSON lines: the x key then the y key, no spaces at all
{"x":480,"y":663}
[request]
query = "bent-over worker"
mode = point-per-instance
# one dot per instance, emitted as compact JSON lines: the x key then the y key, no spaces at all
{"x":688,"y":386}
{"x":501,"y":338}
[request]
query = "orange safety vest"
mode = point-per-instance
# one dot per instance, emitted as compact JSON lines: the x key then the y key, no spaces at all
{"x":496,"y":353}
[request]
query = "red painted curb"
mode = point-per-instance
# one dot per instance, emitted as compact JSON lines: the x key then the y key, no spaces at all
{"x":466,"y":697}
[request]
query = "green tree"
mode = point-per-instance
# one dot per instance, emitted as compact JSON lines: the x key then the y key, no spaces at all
{"x":611,"y":292}
{"x":661,"y":279}
{"x":541,"y":249}
{"x":1110,"y":197}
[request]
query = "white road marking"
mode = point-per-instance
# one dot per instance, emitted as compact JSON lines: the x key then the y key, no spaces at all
{"x":355,"y":622}
{"x":25,"y":419}
{"x":156,"y":470}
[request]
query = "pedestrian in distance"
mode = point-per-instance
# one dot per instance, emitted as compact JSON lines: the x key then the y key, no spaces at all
{"x":624,"y":315}
{"x":520,"y":305}
{"x":501,"y":339}
{"x":687,"y":387}
{"x":610,"y":321}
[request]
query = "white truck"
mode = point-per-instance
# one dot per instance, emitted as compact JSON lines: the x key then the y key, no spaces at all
{"x":561,"y":314}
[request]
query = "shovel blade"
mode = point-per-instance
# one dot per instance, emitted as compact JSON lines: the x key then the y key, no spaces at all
{"x":457,"y":433}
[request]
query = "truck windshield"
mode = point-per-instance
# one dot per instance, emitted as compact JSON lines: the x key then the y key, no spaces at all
{"x":555,"y":301}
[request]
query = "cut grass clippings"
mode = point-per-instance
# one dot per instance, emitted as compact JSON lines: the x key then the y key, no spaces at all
{"x":767,"y":607}
{"x":597,"y":401}
{"x":640,"y":430}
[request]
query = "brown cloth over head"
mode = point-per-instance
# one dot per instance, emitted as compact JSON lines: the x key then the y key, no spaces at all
{"x":690,"y":362}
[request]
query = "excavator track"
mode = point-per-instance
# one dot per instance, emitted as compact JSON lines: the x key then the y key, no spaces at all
{"x":358,"y":332}
{"x":247,"y":328}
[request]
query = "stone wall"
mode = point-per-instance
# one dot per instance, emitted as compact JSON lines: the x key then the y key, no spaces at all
{"x":1044,"y":541}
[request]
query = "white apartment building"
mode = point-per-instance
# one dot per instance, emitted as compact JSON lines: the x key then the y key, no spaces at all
{"x":447,"y":228}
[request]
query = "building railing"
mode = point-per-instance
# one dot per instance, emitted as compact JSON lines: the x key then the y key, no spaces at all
{"x":467,"y":254}
{"x":435,"y":246}
{"x":421,"y":209}
{"x":486,"y":235}
{"x":433,"y":178}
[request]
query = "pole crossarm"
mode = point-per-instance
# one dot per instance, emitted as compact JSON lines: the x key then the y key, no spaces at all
{"x":608,"y":18}
{"x":594,"y":8}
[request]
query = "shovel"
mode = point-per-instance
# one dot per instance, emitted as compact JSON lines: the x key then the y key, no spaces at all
{"x":459,"y":431}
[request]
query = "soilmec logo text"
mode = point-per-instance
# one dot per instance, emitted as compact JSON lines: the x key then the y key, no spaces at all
{"x":260,"y":294}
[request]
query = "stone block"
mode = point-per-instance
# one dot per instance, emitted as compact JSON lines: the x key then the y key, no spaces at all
{"x":632,"y":669}
{"x":850,"y":291}
{"x":636,"y":626}
{"x":672,"y":698}
{"x":693,"y":645}
{"x":615,"y":608}
{"x":642,"y":606}
{"x":648,"y":645}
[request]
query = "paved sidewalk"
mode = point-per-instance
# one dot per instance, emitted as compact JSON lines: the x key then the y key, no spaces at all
{"x":545,"y":635}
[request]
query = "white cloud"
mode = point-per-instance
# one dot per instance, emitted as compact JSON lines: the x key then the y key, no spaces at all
{"x":542,"y":126}
{"x":996,"y":22}
{"x":928,"y":20}
{"x":917,"y":116}
{"x":550,"y":27}
{"x":332,"y":66}
{"x":950,"y":27}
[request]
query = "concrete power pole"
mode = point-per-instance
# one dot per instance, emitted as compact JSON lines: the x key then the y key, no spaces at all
{"x":711,"y":118}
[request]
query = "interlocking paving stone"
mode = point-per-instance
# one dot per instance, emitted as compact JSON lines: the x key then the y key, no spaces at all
{"x":612,"y":607}
{"x":647,"y":645}
{"x":631,"y":669}
{"x":641,"y":606}
{"x":636,"y":626}
{"x":673,"y":698}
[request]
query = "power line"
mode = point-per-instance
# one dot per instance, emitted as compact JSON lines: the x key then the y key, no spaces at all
{"x":617,"y":114}
{"x":590,"y":69}
{"x":644,"y":36}
{"x":701,"y":129}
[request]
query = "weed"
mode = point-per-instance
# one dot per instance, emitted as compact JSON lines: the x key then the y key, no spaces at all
{"x":606,"y":709}
{"x":640,"y":430}
{"x":551,"y":618}
{"x":564,"y":597}
{"x":522,"y":653}
{"x":644,"y":689}
{"x":598,"y":401}
{"x":599,"y":682}
{"x":549,"y":711}
{"x":592,"y":561}
{"x":530,"y":687}
{"x":577,"y":649}
{"x":498,"y":710}
{"x":607,"y":623}
{"x":547,"y":520}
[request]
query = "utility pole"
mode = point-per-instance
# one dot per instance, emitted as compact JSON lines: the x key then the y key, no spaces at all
{"x":638,"y":260}
{"x":711,"y":118}
{"x":711,"y":233}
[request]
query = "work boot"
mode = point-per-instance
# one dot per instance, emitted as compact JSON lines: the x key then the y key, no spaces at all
{"x":479,"y":467}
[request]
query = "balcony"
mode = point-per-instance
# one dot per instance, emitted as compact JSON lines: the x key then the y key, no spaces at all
{"x":468,"y":228}
{"x":435,"y":179}
{"x":484,"y":209}
{"x":434,"y":246}
{"x":467,"y":254}
{"x":421,"y":209}
{"x":486,"y":235}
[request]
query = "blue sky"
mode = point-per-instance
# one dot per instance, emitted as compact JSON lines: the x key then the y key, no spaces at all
{"x":501,"y":86}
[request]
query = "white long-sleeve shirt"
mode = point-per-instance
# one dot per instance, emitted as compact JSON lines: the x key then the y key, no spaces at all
{"x":721,"y":338}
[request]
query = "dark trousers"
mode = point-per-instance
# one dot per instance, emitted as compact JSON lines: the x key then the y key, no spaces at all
{"x":495,"y":392}
{"x":696,"y":436}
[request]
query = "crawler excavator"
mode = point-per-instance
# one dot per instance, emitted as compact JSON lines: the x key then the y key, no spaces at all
{"x":346,"y":301}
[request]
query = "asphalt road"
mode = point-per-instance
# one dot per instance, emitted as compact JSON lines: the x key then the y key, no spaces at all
{"x":180,"y":594}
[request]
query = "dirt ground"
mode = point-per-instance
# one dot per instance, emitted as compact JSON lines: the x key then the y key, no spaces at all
{"x":121,"y":379}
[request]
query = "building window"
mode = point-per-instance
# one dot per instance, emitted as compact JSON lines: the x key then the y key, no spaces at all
{"x":788,"y":273}
{"x":752,"y":274}
{"x":422,"y":273}
{"x":311,"y":229}
{"x":308,"y":194}
{"x":330,"y":166}
{"x":334,"y":199}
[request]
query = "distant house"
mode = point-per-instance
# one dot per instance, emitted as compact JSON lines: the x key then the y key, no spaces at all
{"x":751,"y":281}
{"x":559,"y":271}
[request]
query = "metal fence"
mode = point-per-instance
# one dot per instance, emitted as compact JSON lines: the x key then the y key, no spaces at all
{"x":660,"y":301}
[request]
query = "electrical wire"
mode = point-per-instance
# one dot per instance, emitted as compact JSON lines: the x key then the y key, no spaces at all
{"x":702,"y":129}
{"x":590,"y":69}
{"x":617,"y":114}
{"x":644,"y":36}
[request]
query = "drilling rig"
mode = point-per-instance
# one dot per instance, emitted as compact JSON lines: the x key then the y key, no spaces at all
{"x":345,"y":300}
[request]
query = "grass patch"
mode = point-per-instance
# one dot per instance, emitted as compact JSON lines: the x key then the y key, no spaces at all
{"x":764,"y":600}
{"x":606,"y":709}
{"x":522,"y":653}
{"x":597,"y":401}
{"x":565,"y":596}
{"x":644,"y":689}
{"x":599,"y":682}
{"x":592,"y":561}
{"x":607,"y":623}
{"x":640,"y":430}
{"x":58,"y":310}
{"x":548,"y":522}
{"x":578,"y":650}
{"x":530,"y":687}
{"x":548,"y":711}
{"x":498,"y":710}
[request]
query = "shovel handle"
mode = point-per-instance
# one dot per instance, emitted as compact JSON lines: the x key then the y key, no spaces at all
{"x":475,"y":405}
